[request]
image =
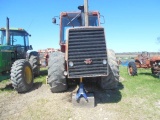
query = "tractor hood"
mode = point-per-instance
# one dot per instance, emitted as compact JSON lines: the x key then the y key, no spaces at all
{"x":155,"y":58}
{"x":6,"y":48}
{"x":5,"y":57}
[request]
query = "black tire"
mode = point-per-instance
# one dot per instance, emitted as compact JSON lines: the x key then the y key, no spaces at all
{"x":21,"y":75}
{"x":132,"y":69}
{"x":56,"y":68}
{"x":111,"y":81}
{"x":153,"y":71}
{"x":35,"y":63}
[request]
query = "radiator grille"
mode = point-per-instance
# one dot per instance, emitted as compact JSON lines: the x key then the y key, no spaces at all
{"x":87,"y":45}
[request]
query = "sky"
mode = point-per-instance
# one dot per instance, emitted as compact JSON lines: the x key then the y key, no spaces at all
{"x":130,"y":25}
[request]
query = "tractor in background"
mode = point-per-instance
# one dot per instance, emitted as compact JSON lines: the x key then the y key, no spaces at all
{"x":83,"y":54}
{"x":16,"y":58}
{"x":44,"y":55}
{"x":144,"y":60}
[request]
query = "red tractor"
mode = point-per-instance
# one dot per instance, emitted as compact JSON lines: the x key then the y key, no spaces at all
{"x":144,"y":61}
{"x":155,"y":64}
{"x":83,"y":53}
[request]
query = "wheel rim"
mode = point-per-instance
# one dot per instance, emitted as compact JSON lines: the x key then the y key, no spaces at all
{"x":130,"y":70}
{"x":28,"y":75}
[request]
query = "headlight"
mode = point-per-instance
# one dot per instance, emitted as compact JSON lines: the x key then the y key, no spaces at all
{"x":104,"y":62}
{"x":65,"y":73}
{"x":71,"y":64}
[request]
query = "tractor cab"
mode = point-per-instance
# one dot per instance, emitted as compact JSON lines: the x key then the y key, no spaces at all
{"x":18,"y":41}
{"x":75,"y":20}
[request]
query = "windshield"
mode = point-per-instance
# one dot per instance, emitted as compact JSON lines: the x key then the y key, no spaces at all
{"x":16,"y":38}
{"x":74,"y":20}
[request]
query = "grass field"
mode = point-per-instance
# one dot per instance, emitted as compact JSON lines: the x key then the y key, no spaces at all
{"x":137,"y":98}
{"x":141,"y":94}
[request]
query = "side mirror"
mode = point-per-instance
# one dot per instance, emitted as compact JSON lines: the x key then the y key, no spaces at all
{"x":54,"y":20}
{"x":102,"y":22}
{"x":30,"y":47}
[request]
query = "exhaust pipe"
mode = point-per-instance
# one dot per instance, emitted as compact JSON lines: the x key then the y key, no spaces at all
{"x":7,"y":31}
{"x":86,"y":12}
{"x":82,"y":19}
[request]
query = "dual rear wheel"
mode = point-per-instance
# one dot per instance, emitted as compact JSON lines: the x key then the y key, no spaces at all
{"x":111,"y":81}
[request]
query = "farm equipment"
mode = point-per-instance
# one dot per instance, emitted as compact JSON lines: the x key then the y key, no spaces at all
{"x":155,"y":65}
{"x":83,"y":54}
{"x":44,"y":55}
{"x":23,"y":65}
{"x":144,"y":60}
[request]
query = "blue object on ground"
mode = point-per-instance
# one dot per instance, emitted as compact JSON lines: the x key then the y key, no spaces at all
{"x":81,"y":92}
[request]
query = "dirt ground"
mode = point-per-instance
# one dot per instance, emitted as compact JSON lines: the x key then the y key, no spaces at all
{"x":41,"y":104}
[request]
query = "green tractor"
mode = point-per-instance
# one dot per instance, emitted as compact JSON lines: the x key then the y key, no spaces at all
{"x":14,"y":57}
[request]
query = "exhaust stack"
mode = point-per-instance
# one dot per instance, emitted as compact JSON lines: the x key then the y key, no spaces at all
{"x":7,"y":31}
{"x":86,"y":12}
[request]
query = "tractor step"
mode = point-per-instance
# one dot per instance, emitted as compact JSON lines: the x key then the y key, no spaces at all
{"x":82,"y":102}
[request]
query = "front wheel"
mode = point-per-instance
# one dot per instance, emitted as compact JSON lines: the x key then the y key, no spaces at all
{"x":21,"y":75}
{"x":56,"y":68}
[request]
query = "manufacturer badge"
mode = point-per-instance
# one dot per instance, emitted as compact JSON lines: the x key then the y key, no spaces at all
{"x":88,"y":61}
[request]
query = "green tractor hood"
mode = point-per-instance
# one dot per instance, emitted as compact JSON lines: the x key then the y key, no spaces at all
{"x":5,"y":57}
{"x":6,"y":48}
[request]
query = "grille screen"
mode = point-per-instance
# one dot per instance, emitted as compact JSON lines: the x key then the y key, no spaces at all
{"x":87,"y":50}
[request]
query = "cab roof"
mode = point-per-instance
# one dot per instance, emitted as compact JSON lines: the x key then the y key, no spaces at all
{"x":15,"y":29}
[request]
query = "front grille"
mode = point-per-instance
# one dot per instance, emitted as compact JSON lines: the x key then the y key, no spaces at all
{"x":87,"y":44}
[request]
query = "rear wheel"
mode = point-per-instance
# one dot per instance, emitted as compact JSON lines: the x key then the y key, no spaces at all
{"x":35,"y":63}
{"x":111,"y":81}
{"x":132,"y":69}
{"x":152,"y":70}
{"x":21,"y":75}
{"x":56,"y":68}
